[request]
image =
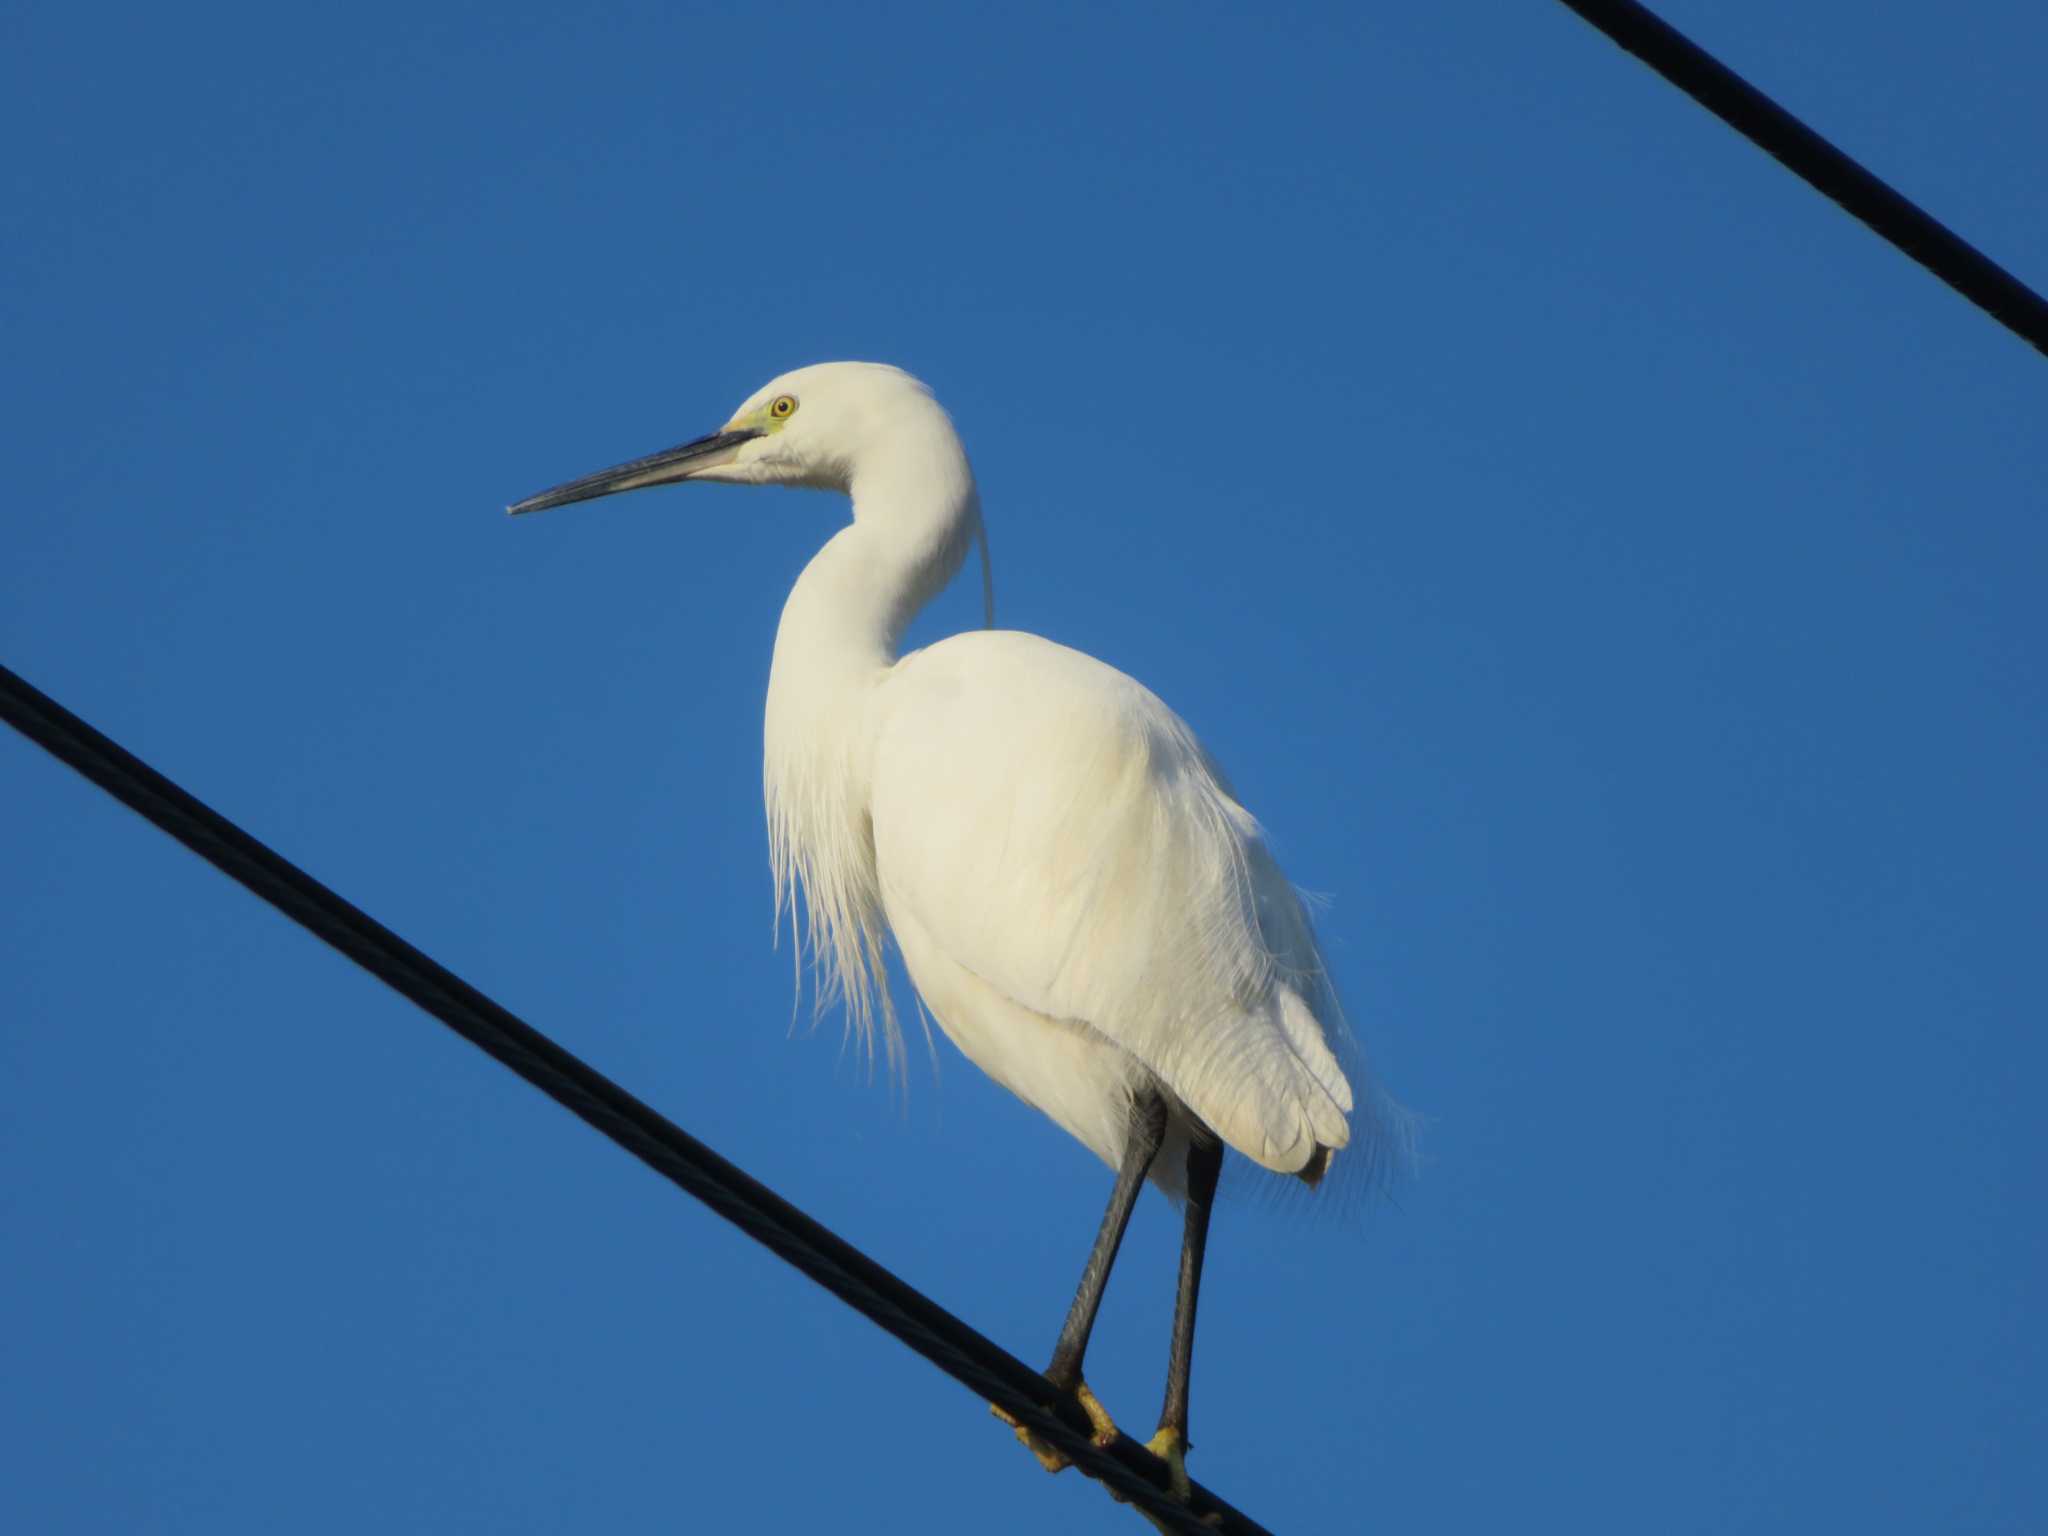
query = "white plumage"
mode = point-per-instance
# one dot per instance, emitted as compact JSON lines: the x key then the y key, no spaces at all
{"x":1074,"y":889}
{"x":1081,"y":902}
{"x":1061,"y":863}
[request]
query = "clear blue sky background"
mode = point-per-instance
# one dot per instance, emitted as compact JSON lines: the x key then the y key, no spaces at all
{"x":1614,"y":576}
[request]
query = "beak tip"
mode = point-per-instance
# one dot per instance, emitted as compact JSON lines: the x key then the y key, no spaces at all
{"x":671,"y":464}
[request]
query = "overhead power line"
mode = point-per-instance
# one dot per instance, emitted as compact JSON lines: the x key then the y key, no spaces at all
{"x":1805,"y":153}
{"x":976,"y":1362}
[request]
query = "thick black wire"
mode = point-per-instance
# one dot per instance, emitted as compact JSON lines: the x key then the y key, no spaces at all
{"x":1805,"y":153}
{"x":976,"y":1362}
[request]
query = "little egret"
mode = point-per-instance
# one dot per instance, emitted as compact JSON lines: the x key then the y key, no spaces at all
{"x":1078,"y":897}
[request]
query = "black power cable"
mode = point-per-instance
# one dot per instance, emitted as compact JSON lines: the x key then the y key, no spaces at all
{"x":976,"y":1362}
{"x":1805,"y":153}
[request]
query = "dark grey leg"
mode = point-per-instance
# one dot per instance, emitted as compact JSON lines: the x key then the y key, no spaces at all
{"x":1148,"y":1130}
{"x":1205,"y":1163}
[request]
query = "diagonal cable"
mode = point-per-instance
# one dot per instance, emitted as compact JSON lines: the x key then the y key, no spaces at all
{"x":975,"y":1361}
{"x":1806,"y":154}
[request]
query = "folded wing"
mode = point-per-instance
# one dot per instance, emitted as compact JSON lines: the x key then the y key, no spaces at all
{"x":1058,"y":831}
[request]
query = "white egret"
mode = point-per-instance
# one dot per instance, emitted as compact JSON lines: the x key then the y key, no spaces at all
{"x":1078,"y":897}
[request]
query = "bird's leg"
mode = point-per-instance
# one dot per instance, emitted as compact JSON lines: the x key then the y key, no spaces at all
{"x":1205,"y":1163}
{"x":1147,"y":1131}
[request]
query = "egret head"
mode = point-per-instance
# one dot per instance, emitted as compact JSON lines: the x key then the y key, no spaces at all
{"x":815,"y":426}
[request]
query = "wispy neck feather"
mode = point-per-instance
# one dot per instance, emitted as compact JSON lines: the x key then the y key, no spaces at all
{"x":915,"y":512}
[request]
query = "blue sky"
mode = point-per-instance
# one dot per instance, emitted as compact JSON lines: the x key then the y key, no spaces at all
{"x":1612,"y":575}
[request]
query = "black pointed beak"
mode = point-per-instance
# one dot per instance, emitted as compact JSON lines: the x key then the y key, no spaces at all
{"x":671,"y":464}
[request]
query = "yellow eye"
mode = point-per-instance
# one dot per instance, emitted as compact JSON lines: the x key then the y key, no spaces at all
{"x":784,"y":407}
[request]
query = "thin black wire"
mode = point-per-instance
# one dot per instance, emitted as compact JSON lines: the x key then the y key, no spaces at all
{"x":976,"y":1362}
{"x":1805,"y":153}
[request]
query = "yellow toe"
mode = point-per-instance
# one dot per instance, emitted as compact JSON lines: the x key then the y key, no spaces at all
{"x":1098,"y":1416}
{"x":1048,"y":1457}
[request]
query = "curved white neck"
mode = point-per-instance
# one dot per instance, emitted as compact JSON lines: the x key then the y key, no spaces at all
{"x":915,"y":512}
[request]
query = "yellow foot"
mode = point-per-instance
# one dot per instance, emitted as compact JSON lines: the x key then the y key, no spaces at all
{"x":1049,"y":1457}
{"x":1171,"y":1447}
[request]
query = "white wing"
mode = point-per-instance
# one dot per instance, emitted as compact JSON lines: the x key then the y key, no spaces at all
{"x":1057,"y":830}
